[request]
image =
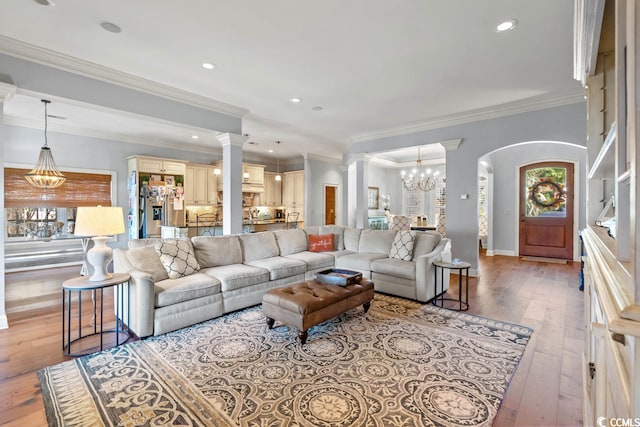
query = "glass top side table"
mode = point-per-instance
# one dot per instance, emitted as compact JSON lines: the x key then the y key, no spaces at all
{"x":463,"y":304}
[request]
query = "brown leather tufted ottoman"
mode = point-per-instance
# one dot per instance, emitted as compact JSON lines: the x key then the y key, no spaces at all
{"x":306,"y":304}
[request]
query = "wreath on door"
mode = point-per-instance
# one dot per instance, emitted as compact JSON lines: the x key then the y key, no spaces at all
{"x":547,"y":194}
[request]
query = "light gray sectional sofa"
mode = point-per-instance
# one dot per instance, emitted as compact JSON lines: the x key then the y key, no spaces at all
{"x":194,"y":280}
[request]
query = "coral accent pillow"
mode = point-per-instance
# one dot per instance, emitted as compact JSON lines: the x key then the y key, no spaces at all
{"x":321,"y":242}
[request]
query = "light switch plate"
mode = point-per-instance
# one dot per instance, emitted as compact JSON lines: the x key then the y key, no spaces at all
{"x":464,"y":196}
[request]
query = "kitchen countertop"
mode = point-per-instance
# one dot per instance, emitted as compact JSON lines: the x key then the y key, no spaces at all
{"x":250,"y":222}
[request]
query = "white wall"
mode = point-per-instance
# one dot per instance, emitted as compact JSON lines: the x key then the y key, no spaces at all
{"x":317,"y":174}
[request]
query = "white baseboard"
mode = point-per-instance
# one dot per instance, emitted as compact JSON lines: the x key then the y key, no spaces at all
{"x":4,"y":322}
{"x":489,"y":252}
{"x":505,"y":253}
{"x":474,"y":272}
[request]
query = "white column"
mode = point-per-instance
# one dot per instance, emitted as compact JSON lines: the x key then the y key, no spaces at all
{"x":344,"y":213}
{"x":6,"y":91}
{"x":232,"y":182}
{"x":362,"y":186}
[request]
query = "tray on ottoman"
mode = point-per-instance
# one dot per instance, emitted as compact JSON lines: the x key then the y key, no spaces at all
{"x":336,"y":276}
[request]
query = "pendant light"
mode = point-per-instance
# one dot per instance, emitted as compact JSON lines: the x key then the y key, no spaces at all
{"x":278,"y":176}
{"x":45,"y":174}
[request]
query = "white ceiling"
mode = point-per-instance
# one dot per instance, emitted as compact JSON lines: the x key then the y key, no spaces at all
{"x":374,"y":66}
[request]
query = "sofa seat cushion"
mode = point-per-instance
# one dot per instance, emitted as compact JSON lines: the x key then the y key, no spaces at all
{"x":313,"y":260}
{"x":236,"y":276}
{"x":280,"y":267}
{"x":358,"y":261}
{"x":196,"y":285}
{"x":395,"y":267}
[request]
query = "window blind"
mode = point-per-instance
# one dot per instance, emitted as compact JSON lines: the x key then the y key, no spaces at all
{"x":80,"y":189}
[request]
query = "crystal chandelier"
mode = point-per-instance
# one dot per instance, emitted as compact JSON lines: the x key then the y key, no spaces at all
{"x":45,"y":174}
{"x":418,"y":179}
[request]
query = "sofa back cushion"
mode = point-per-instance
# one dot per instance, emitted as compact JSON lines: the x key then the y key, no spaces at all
{"x":219,"y":250}
{"x":146,"y":259}
{"x":291,"y":241}
{"x":258,"y":246}
{"x":426,"y":241}
{"x":338,"y":235}
{"x":376,"y":241}
{"x":141,"y":243}
{"x":352,"y":238}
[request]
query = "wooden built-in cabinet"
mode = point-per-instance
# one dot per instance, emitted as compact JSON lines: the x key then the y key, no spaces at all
{"x":253,"y":184}
{"x":201,"y":185}
{"x":293,"y":191}
{"x":272,"y":195}
{"x":161,"y":166}
{"x":607,"y":43}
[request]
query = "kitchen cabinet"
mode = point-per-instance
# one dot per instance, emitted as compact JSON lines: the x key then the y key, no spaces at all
{"x":256,"y":174}
{"x":253,"y":184}
{"x":272,"y":190}
{"x":201,"y":185}
{"x":293,"y":191}
{"x":161,"y":166}
{"x":611,"y":256}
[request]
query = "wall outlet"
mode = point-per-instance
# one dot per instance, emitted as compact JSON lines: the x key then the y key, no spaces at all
{"x":464,"y":196}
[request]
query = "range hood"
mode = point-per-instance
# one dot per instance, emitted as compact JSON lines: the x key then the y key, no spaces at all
{"x":252,"y":188}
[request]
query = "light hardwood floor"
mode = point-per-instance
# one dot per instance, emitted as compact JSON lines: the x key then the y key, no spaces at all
{"x":545,"y":390}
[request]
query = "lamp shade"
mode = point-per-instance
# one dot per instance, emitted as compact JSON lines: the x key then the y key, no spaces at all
{"x":99,"y":221}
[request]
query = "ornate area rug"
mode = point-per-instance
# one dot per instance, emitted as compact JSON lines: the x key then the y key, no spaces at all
{"x":402,"y":364}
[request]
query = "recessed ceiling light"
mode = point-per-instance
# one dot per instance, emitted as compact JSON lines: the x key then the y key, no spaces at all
{"x":208,"y":65}
{"x":45,"y":2}
{"x":295,"y":100}
{"x":111,"y":27}
{"x":507,"y":25}
{"x":316,"y":108}
{"x":194,"y":136}
{"x":270,"y":150}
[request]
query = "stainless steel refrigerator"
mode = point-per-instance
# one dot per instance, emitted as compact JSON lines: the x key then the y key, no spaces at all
{"x":158,"y":208}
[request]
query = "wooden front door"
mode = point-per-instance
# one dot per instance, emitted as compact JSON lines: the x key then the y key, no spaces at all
{"x":546,"y":210}
{"x":329,"y":205}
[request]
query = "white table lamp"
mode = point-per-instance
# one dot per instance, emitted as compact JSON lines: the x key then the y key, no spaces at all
{"x":99,"y":223}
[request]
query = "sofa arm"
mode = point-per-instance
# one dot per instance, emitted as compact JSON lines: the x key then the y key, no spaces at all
{"x":142,"y":307}
{"x":425,"y":281}
{"x":142,"y":295}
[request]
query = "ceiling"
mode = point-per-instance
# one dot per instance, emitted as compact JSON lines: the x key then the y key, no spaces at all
{"x":362,"y":68}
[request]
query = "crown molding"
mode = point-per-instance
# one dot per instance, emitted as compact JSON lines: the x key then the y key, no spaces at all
{"x":321,"y":158}
{"x":451,"y":144}
{"x":6,"y":91}
{"x":502,"y":110}
{"x":64,"y":62}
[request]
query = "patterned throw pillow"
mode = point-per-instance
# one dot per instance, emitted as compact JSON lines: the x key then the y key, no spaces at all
{"x":321,"y":242}
{"x":177,"y":257}
{"x":402,"y":247}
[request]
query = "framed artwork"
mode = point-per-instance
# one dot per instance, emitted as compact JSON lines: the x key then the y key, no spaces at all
{"x":170,"y":181}
{"x":373,"y":198}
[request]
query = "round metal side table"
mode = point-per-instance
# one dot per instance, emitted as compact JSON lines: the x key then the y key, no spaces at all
{"x":79,"y":284}
{"x":463,"y":305}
